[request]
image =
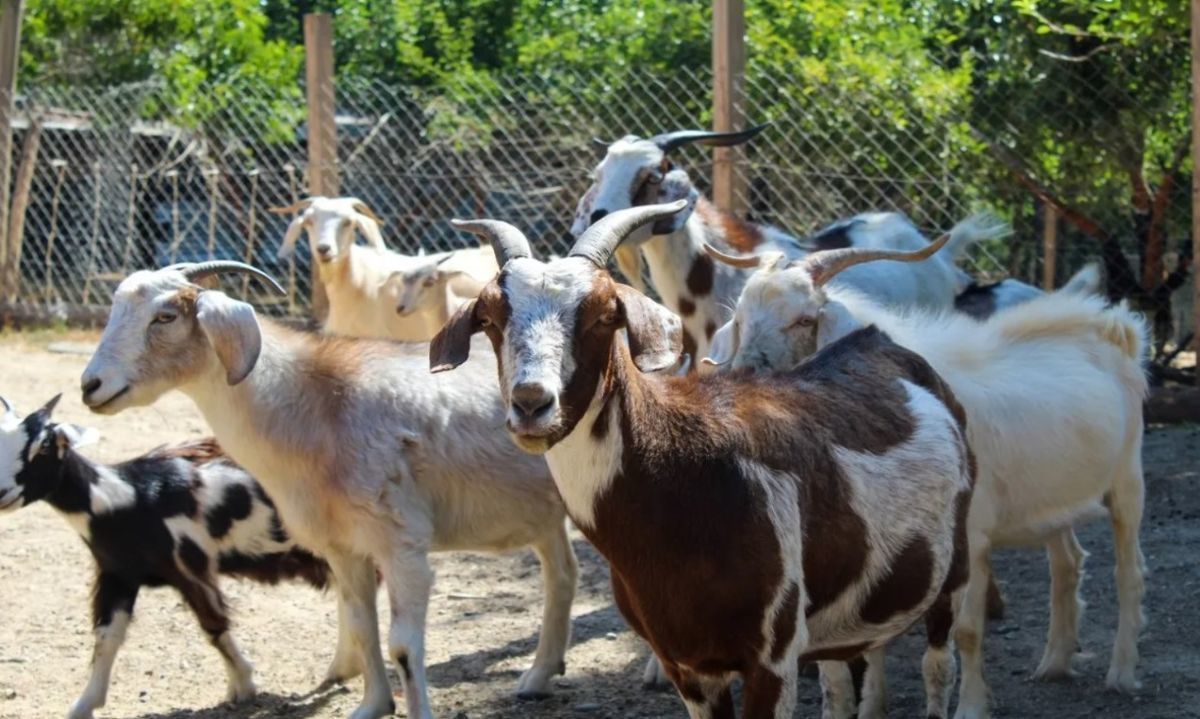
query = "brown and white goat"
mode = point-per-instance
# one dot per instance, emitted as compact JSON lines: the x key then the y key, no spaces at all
{"x":750,"y":521}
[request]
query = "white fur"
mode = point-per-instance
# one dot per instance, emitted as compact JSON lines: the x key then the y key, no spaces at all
{"x":409,"y":463}
{"x":1052,"y":390}
{"x":109,"y":639}
{"x":932,"y":284}
{"x":365,"y":284}
{"x":110,"y":493}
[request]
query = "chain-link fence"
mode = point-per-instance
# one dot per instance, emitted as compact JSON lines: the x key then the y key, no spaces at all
{"x":120,"y":183}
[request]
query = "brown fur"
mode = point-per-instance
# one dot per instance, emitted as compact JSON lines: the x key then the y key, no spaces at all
{"x":685,"y":439}
{"x":740,"y":235}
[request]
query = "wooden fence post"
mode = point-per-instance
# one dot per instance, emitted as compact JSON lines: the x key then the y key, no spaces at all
{"x":10,"y":44}
{"x":322,"y":131}
{"x":729,"y":77}
{"x":1049,"y":246}
{"x":1196,"y":182}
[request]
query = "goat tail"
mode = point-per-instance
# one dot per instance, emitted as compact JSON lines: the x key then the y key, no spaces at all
{"x":1064,"y":315}
{"x":1126,"y":330}
{"x":976,"y":228}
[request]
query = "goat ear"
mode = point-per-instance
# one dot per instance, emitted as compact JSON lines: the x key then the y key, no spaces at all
{"x":451,"y":346}
{"x":835,"y":323}
{"x":232,"y":330}
{"x":389,"y":277}
{"x":69,"y":436}
{"x":655,"y":333}
{"x":676,"y":185}
{"x":583,"y":211}
{"x":629,"y":261}
{"x":723,"y":346}
{"x":370,"y":230}
{"x":288,"y":246}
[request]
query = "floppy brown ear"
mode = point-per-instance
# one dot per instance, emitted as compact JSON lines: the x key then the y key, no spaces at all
{"x":451,"y":346}
{"x":655,"y":333}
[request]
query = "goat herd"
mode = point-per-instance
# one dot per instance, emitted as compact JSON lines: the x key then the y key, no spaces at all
{"x":862,"y":426}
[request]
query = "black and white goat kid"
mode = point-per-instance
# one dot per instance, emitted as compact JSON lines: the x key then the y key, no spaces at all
{"x":176,"y":516}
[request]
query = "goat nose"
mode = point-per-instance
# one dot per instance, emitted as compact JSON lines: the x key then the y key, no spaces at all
{"x":531,"y":399}
{"x":597,"y":215}
{"x":90,"y":385}
{"x":324,"y":249}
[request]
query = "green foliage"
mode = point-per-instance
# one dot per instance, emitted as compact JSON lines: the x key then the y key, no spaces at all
{"x":207,"y":53}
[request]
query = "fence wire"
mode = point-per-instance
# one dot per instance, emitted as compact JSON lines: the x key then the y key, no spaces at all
{"x":121,"y":182}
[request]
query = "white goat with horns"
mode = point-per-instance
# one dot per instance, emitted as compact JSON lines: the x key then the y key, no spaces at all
{"x":1053,"y":392}
{"x":371,"y":463}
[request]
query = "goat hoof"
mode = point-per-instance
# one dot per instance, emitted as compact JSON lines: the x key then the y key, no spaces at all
{"x":1122,"y":681}
{"x":1053,"y":672}
{"x":535,"y":683}
{"x":367,"y":711}
{"x":653,"y":676}
{"x":80,"y":710}
{"x":239,"y":694}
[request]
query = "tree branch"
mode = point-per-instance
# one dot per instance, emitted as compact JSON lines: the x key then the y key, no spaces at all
{"x":1156,"y":238}
{"x":1022,"y":176}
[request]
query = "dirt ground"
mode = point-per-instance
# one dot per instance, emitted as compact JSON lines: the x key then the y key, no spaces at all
{"x":484,"y":614}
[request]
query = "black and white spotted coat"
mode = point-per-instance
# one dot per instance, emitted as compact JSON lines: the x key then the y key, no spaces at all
{"x":177,"y":516}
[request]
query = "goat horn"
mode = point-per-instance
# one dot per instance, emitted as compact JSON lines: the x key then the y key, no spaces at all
{"x":742,"y":261}
{"x":507,"y":242}
{"x":196,"y":271}
{"x":600,"y":143}
{"x":49,"y":406}
{"x":600,"y":240}
{"x":365,"y":209}
{"x":294,"y":207}
{"x":670,"y":140}
{"x":7,"y":407}
{"x":823,"y":266}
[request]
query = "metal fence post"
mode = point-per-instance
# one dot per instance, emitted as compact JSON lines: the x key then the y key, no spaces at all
{"x":10,"y":42}
{"x":322,"y":130}
{"x":729,"y":78}
{"x":1049,"y":246}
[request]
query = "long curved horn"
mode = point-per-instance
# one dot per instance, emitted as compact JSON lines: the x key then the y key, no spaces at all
{"x":670,"y":140}
{"x":294,"y":207}
{"x":601,"y":144}
{"x":507,"y":242}
{"x":7,"y":407}
{"x":196,"y":271}
{"x":743,"y":261}
{"x":823,"y":266}
{"x":598,"y":242}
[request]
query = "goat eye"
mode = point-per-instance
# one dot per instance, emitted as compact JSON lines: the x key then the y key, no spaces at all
{"x":163,"y":318}
{"x":804,"y":321}
{"x":428,"y":282}
{"x":655,"y":178}
{"x":485,"y":322}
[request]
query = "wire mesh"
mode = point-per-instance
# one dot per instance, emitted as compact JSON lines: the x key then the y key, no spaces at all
{"x":123,"y":181}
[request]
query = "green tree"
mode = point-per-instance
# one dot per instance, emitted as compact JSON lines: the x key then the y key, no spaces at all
{"x":205,"y":52}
